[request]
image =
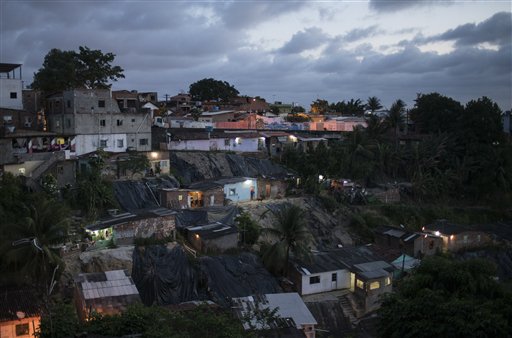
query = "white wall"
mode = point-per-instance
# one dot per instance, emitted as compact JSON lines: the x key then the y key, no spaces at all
{"x":244,"y":145}
{"x":326,"y":283}
{"x":8,"y":86}
{"x":89,"y":143}
{"x":242,"y":190}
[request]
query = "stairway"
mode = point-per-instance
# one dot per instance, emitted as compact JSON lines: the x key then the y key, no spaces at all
{"x":348,"y":311}
{"x":33,"y":181}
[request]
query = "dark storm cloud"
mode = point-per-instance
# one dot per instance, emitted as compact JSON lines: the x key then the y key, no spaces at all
{"x":247,"y":14}
{"x":165,"y":46}
{"x":361,"y":33}
{"x":307,"y":39}
{"x":495,"y":30}
{"x":395,"y":5}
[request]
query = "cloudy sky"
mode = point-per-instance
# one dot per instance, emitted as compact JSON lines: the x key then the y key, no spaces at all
{"x":291,"y":51}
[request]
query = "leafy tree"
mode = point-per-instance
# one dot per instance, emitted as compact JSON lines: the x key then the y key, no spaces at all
{"x":62,"y":323}
{"x":49,"y":184}
{"x":249,"y":228}
{"x":395,"y":118}
{"x":211,"y":89}
{"x":94,"y":192}
{"x":373,"y":104}
{"x":481,"y":122}
{"x":135,"y":163}
{"x":195,"y":113}
{"x":292,"y":236}
{"x":68,"y":69}
{"x":319,"y":107}
{"x":435,"y":113}
{"x":447,"y":298}
{"x":298,"y":109}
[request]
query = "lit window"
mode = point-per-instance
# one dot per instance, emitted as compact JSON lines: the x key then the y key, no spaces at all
{"x":22,"y":330}
{"x":359,"y":284}
{"x":120,"y":143}
{"x":21,"y":171}
{"x":103,"y":143}
{"x":388,"y":280}
{"x":232,"y":192}
{"x":314,"y":280}
{"x":374,"y":285}
{"x":180,"y":197}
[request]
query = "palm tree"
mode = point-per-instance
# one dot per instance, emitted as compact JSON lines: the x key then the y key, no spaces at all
{"x":373,"y":104}
{"x":31,"y":246}
{"x":292,"y":237}
{"x":395,"y":118}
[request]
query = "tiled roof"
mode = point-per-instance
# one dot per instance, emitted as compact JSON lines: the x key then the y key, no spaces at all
{"x":106,"y":284}
{"x":23,"y":301}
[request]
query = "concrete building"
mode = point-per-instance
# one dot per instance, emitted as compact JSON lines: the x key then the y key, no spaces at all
{"x":356,"y":269}
{"x":239,"y":189}
{"x":92,"y":119}
{"x":20,"y":313}
{"x":214,"y":237}
{"x":11,"y":86}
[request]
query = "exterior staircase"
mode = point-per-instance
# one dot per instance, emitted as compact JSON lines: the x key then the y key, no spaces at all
{"x":348,"y":310}
{"x":33,"y":182}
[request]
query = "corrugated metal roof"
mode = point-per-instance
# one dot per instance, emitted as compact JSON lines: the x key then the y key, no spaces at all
{"x":106,"y":284}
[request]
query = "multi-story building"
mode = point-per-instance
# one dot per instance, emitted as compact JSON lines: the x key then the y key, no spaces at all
{"x":92,"y":119}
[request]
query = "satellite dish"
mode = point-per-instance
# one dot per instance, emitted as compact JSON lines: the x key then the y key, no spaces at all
{"x":20,"y":314}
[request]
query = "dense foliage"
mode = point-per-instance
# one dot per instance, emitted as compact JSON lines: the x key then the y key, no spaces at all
{"x":83,"y":69}
{"x":448,"y":298}
{"x":457,"y":152}
{"x":249,"y":228}
{"x":211,"y":89}
{"x":201,"y":321}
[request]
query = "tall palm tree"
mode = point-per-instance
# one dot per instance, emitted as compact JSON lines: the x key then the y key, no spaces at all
{"x":373,"y":104}
{"x":31,"y":246}
{"x":395,"y":118}
{"x":292,"y":237}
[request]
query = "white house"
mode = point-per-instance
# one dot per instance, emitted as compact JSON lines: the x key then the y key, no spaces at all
{"x":202,"y":140}
{"x":354,"y":268}
{"x":239,"y":189}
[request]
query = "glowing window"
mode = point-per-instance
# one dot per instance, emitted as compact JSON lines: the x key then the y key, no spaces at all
{"x":359,"y":284}
{"x":388,"y":280}
{"x":374,"y":285}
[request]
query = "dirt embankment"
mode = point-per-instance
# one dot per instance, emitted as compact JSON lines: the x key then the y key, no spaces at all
{"x":328,"y":229}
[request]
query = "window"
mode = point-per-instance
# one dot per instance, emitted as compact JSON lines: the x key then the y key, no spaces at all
{"x":334,"y":277}
{"x":180,"y":197}
{"x":119,"y":122}
{"x":133,"y":120}
{"x":359,"y":284}
{"x":163,"y":164}
{"x":374,"y":285}
{"x":68,"y":103}
{"x":22,"y":330}
{"x":120,"y":143}
{"x":143,"y":142}
{"x":103,"y":123}
{"x":314,"y":280}
{"x":21,"y":171}
{"x":232,"y":191}
{"x":101,"y":103}
{"x":14,"y":95}
{"x":388,"y":280}
{"x":226,"y":142}
{"x":103,"y":143}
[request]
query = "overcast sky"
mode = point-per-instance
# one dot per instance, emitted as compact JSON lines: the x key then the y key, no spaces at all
{"x":291,"y":51}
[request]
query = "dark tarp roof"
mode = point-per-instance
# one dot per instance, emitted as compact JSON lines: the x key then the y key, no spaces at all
{"x":166,"y":276}
{"x":12,"y":301}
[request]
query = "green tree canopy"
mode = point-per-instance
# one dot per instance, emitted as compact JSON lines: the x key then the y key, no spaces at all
{"x":319,"y":106}
{"x":211,"y":89}
{"x":83,"y":69}
{"x":435,"y":113}
{"x":447,"y":298}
